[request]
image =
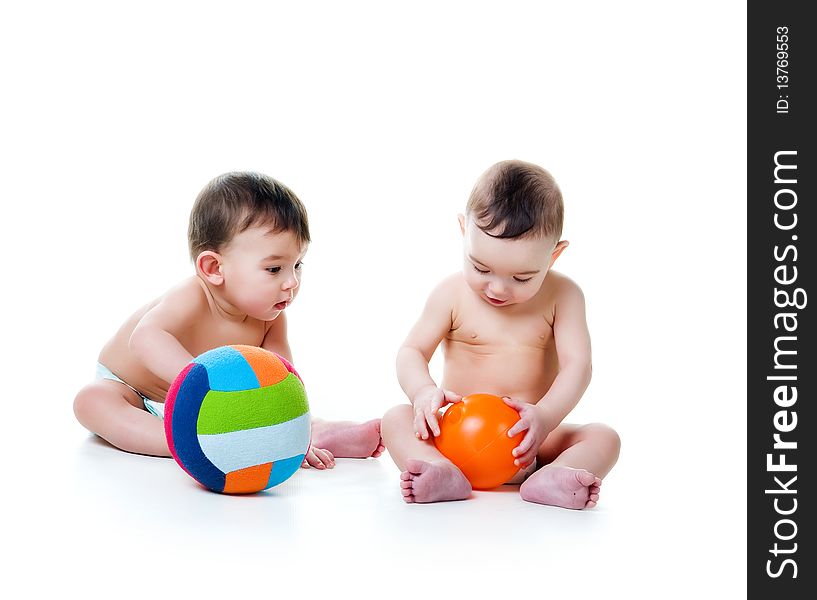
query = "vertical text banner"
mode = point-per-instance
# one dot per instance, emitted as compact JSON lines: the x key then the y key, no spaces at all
{"x":782,"y":367}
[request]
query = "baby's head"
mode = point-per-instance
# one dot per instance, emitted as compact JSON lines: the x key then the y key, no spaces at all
{"x":511,"y":229}
{"x":247,"y":236}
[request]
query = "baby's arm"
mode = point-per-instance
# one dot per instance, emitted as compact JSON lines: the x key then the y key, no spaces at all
{"x":573,"y":349}
{"x":276,"y":340}
{"x":416,"y":352}
{"x":155,"y":340}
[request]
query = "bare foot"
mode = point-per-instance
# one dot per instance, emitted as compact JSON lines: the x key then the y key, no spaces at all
{"x":318,"y":458}
{"x":346,"y":439}
{"x":433,"y":482}
{"x":562,"y":486}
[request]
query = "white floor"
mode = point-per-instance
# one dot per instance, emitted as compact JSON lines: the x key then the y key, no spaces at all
{"x":110,"y":524}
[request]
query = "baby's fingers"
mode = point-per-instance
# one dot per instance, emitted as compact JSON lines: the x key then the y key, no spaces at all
{"x":523,"y":423}
{"x":525,"y":445}
{"x":320,"y":458}
{"x":517,"y":404}
{"x":326,"y":457}
{"x":431,"y":417}
{"x":525,"y":459}
{"x":518,"y":427}
{"x":420,"y":429}
{"x":308,"y":459}
{"x":451,"y":396}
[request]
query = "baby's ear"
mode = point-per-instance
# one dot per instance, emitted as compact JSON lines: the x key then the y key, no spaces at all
{"x":557,"y":251}
{"x":461,"y":219}
{"x":208,"y":264}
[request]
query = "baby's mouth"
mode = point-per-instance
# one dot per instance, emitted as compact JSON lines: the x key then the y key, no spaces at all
{"x":494,"y":301}
{"x":282,"y":305}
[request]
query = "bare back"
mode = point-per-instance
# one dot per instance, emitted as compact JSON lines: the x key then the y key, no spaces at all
{"x":210,"y":331}
{"x":507,"y":351}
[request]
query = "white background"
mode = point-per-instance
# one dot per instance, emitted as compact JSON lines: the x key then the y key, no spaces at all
{"x":380,"y":116}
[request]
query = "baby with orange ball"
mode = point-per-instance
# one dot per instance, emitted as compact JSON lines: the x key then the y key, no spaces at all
{"x":513,"y":328}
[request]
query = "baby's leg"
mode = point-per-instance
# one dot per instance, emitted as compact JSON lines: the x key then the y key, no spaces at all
{"x":575,"y":459}
{"x":116,"y":413}
{"x":347,"y":439}
{"x":427,"y":475}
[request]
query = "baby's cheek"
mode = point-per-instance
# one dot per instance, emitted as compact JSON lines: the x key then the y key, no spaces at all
{"x":258,"y":298}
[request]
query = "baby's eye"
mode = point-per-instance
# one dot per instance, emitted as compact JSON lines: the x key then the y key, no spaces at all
{"x":299,"y":264}
{"x":273,"y":270}
{"x":480,"y":270}
{"x":522,"y":280}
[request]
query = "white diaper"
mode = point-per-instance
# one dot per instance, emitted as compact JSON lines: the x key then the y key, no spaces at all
{"x":153,"y":407}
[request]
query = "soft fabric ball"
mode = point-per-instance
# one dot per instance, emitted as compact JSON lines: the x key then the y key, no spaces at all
{"x":474,"y":436}
{"x":237,"y":419}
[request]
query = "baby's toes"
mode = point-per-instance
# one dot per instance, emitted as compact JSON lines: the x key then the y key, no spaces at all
{"x":586,"y":478}
{"x":326,"y":458}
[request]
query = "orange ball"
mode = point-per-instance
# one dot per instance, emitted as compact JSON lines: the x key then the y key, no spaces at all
{"x":474,"y":436}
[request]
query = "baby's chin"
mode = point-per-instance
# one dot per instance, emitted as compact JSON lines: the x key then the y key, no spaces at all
{"x":497,"y":303}
{"x":269,"y":314}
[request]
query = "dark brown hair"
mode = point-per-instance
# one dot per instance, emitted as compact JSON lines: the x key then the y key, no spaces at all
{"x":515,"y":199}
{"x":234,"y":202}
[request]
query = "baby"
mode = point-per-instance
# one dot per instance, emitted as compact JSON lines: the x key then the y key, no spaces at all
{"x":248,"y":235}
{"x":511,"y":327}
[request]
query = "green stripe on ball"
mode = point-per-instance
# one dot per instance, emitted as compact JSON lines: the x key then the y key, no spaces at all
{"x":223,"y":412}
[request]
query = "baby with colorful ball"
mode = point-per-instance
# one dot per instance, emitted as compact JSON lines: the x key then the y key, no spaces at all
{"x":247,"y":236}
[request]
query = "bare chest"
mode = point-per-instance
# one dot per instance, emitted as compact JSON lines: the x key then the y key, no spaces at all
{"x":476,"y":327}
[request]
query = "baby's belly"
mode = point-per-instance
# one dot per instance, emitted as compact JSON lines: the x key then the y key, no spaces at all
{"x":525,"y":373}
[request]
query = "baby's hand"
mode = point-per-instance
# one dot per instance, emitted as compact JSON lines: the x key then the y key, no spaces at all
{"x":531,"y":418}
{"x":426,"y":404}
{"x":318,"y":458}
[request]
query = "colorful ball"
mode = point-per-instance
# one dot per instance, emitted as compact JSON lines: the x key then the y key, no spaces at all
{"x":237,"y":419}
{"x":474,"y":436}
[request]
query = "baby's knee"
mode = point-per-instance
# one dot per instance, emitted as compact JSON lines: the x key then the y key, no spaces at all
{"x":87,"y":404}
{"x":604,"y":435}
{"x":394,"y":418}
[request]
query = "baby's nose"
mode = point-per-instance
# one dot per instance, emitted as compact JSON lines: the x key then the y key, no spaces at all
{"x":291,"y":283}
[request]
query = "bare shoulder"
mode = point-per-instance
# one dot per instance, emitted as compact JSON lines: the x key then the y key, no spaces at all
{"x":191,"y":293}
{"x":436,"y":319}
{"x":444,"y":294}
{"x":563,"y":289}
{"x":449,"y":287}
{"x":181,"y":304}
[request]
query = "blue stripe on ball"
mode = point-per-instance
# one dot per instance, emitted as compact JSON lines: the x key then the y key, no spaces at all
{"x":228,"y":370}
{"x":185,"y":438}
{"x":283,"y":469}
